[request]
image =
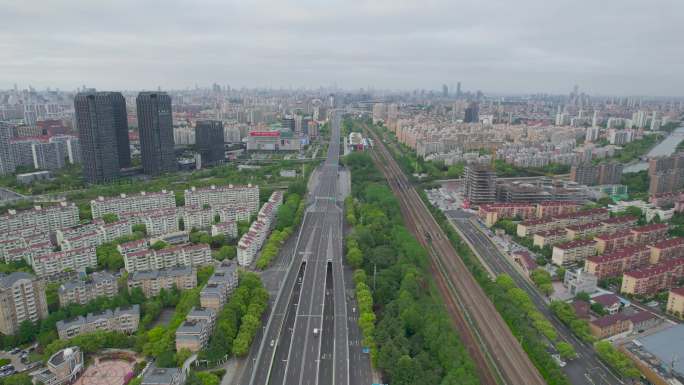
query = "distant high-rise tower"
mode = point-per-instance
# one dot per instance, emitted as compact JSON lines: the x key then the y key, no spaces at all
{"x":458,"y":89}
{"x":472,"y":113}
{"x":102,"y":123}
{"x":7,"y":160}
{"x":209,"y":141}
{"x":445,"y":90}
{"x":156,"y":132}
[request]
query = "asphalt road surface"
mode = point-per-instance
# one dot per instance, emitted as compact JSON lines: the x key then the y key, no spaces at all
{"x":586,"y":369}
{"x":306,"y":337}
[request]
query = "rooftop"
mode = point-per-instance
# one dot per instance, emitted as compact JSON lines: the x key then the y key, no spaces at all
{"x":672,"y":242}
{"x":575,"y":244}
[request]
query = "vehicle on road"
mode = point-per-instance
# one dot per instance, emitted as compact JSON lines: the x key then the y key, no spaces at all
{"x":558,"y":360}
{"x":316,"y":332}
{"x":272,"y":343}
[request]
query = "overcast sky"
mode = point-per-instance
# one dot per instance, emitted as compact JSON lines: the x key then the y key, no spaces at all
{"x":622,"y":47}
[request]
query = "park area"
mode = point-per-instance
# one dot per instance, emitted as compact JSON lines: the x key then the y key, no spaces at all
{"x":109,"y":369}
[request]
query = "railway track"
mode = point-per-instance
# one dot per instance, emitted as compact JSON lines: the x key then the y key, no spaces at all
{"x":490,"y":342}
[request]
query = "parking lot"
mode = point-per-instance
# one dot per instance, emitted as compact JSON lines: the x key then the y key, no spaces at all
{"x":16,"y":362}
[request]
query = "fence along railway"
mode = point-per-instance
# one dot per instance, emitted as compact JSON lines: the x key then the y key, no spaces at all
{"x":495,"y":350}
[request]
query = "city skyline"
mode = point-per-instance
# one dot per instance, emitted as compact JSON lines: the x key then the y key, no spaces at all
{"x":611,"y":48}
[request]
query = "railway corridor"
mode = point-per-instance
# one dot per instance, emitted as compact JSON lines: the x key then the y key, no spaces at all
{"x":485,"y":334}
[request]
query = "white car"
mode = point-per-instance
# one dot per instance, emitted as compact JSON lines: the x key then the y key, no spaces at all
{"x":558,"y":360}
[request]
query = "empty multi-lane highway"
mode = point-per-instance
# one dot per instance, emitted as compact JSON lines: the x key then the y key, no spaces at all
{"x":306,"y":339}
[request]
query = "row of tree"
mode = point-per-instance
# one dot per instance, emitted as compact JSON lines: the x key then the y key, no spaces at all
{"x":238,"y":321}
{"x":416,"y":342}
{"x":530,"y":327}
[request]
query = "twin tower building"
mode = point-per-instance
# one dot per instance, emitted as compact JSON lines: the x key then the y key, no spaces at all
{"x":102,"y":123}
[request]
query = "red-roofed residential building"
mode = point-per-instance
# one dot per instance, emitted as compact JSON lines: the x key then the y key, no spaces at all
{"x":667,"y":249}
{"x":534,"y":226}
{"x":551,"y":208}
{"x":525,"y":260}
{"x":610,"y":302}
{"x":675,"y":302}
{"x":618,"y":261}
{"x":583,"y":231}
{"x":568,"y":253}
{"x":550,"y":237}
{"x":610,"y":325}
{"x":650,"y":233}
{"x":619,"y":223}
{"x":652,"y":279}
{"x":492,"y":212}
{"x":608,"y":242}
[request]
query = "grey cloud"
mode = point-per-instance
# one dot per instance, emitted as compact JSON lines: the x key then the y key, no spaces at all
{"x":607,"y":46}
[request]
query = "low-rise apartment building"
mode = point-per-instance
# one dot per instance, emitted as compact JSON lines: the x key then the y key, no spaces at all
{"x":152,"y":281}
{"x":145,"y":201}
{"x":184,"y":255}
{"x":219,"y":287}
{"x":163,"y":376}
{"x":192,"y":335}
{"x":123,"y":320}
{"x":653,"y":278}
{"x":610,"y":325}
{"x":568,"y":253}
{"x":667,"y":249}
{"x":22,"y":298}
{"x":618,"y":261}
{"x":98,"y":284}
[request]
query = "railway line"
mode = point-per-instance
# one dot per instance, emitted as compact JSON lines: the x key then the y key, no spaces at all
{"x":496,"y":352}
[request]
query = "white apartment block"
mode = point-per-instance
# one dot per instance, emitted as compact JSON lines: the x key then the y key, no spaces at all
{"x":246,"y":196}
{"x":54,"y":263}
{"x":145,"y":201}
{"x":98,"y":284}
{"x":22,"y":298}
{"x":124,"y":320}
{"x":157,"y":222}
{"x":196,"y":217}
{"x":252,"y":241}
{"x":186,"y":255}
{"x":27,"y":251}
{"x":132,"y":246}
{"x":228,"y":229}
{"x":42,"y":219}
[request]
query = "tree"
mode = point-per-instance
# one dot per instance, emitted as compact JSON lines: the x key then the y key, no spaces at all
{"x":139,"y":228}
{"x":207,"y":378}
{"x":583,"y":296}
{"x":566,"y":351}
{"x":110,"y":218}
{"x":226,"y":252}
{"x":158,"y":245}
{"x":182,"y":355}
{"x":17,"y":379}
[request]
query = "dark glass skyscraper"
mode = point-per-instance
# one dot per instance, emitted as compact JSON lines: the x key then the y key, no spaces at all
{"x":209,"y":140}
{"x":102,"y":125}
{"x":156,"y":132}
